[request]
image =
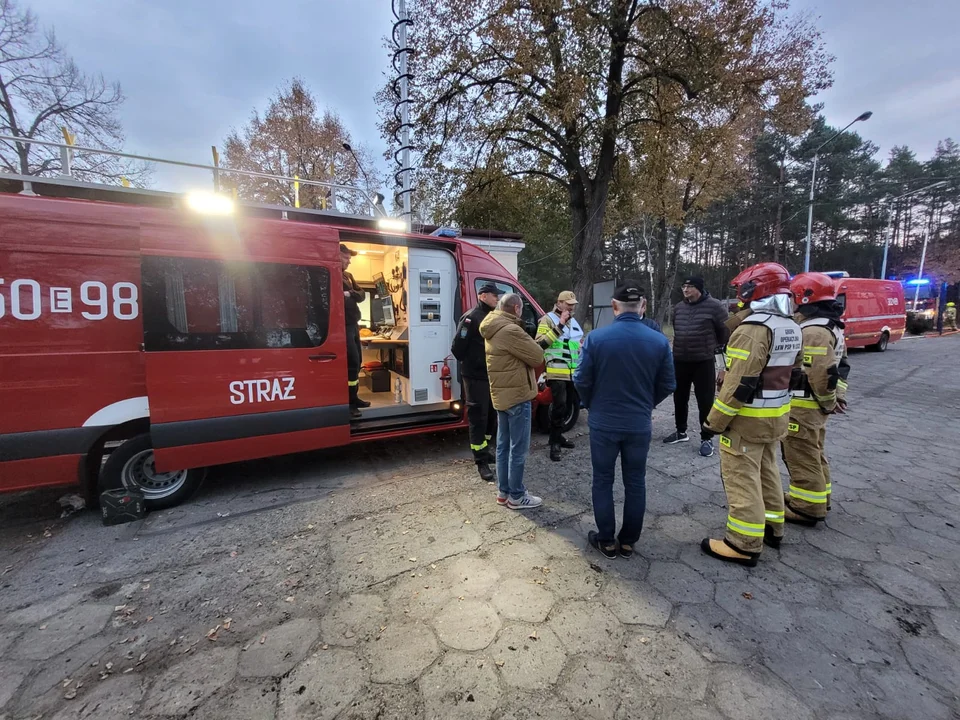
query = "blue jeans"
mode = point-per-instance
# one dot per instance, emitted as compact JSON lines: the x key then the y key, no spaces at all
{"x":513,"y":444}
{"x":632,"y":448}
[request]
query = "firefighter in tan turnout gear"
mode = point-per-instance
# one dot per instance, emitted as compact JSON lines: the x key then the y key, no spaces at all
{"x":822,"y":393}
{"x":751,"y":414}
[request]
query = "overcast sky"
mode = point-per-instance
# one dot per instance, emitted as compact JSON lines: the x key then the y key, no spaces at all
{"x":194,"y":69}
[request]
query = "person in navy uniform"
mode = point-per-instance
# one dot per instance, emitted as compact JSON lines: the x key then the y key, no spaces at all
{"x":352,"y":297}
{"x":468,"y":349}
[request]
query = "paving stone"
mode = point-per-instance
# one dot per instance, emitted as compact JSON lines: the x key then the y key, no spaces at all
{"x":467,"y":625}
{"x":574,"y":577}
{"x":7,"y":638}
{"x":745,"y":692}
{"x":935,"y":660}
{"x":532,"y":657}
{"x":875,"y":514}
{"x":592,"y":688}
{"x":655,"y":547}
{"x":355,"y":618}
{"x":184,"y":686}
{"x":41,"y":693}
{"x":386,"y":702}
{"x":515,"y":558}
{"x":37,"y":612}
{"x":636,"y":603}
{"x":859,"y":529}
{"x":689,"y":493}
{"x":682,"y":528}
{"x":525,"y":705}
{"x":586,"y":628}
{"x":524,"y":600}
{"x":63,"y":631}
{"x":460,"y":686}
{"x":242,"y":700}
{"x":667,"y":664}
{"x":680,"y":583}
{"x":905,"y":695}
{"x":841,"y":546}
{"x":116,"y":698}
{"x":817,"y":565}
{"x":783,"y":583}
{"x":937,"y":570}
{"x":473,"y":577}
{"x":284,"y":647}
{"x":401,"y":652}
{"x":829,"y":684}
{"x":876,"y":609}
{"x":560,"y":542}
{"x":947,"y":623}
{"x":754,"y":607}
{"x":322,"y":686}
{"x":925,"y":542}
{"x":421,"y":598}
{"x":904,"y":585}
{"x":717,"y":635}
{"x":847,"y":638}
{"x":11,"y":675}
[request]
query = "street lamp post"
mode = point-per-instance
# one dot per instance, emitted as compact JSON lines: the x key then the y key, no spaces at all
{"x":813,"y":182}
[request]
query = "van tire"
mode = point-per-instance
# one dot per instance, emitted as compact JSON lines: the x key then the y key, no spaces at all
{"x":130,"y":466}
{"x":573,"y":414}
{"x":881,"y":344}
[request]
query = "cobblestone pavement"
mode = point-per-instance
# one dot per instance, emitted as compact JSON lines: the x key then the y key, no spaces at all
{"x":384,"y":582}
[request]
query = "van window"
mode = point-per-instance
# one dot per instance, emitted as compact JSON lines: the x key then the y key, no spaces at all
{"x":529,"y":314}
{"x":191,"y":304}
{"x":842,"y":302}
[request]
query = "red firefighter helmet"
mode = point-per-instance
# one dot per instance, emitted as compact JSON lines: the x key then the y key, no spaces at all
{"x":812,"y":287}
{"x":761,"y":280}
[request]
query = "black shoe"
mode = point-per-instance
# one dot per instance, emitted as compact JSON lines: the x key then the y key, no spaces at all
{"x":677,"y":437}
{"x":485,"y":472}
{"x":555,"y":453}
{"x":566,"y":444}
{"x":361,"y":403}
{"x":770,"y":539}
{"x":594,"y":540}
{"x":355,"y":413}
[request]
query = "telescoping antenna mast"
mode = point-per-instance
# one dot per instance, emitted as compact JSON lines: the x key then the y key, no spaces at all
{"x":401,"y":110}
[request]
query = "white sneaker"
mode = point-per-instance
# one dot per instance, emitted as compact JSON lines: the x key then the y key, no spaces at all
{"x":527,"y":502}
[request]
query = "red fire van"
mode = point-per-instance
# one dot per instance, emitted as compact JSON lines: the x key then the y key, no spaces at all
{"x":874,"y":312}
{"x":167,"y":340}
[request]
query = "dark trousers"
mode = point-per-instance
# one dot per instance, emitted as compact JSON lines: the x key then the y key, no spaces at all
{"x":481,"y":416}
{"x":558,"y":408}
{"x":354,"y":354}
{"x":702,"y":374}
{"x":632,"y":449}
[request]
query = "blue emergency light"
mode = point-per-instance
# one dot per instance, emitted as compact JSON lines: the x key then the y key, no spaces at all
{"x":919,"y":281}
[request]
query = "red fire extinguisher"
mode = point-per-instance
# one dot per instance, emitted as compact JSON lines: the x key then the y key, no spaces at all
{"x":446,"y":379}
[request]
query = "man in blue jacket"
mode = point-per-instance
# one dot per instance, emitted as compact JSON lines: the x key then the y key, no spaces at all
{"x":626,"y":369}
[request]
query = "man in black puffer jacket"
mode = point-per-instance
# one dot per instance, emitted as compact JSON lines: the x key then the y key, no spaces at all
{"x":698,"y":332}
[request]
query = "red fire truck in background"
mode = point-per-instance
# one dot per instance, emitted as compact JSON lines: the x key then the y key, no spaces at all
{"x":874,"y":312}
{"x":143,"y":339}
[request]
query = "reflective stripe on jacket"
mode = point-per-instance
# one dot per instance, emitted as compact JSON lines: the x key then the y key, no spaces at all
{"x":562,"y":355}
{"x":755,"y":397}
{"x":824,"y":354}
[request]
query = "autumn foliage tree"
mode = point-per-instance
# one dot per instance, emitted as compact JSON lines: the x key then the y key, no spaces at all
{"x":569,"y":89}
{"x":293,"y":139}
{"x":41,"y":91}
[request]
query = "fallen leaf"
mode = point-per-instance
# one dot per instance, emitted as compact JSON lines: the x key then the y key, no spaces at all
{"x":43,"y":627}
{"x":263,"y":639}
{"x":233,"y":554}
{"x":533,"y":635}
{"x":467,"y":522}
{"x":310,"y":527}
{"x":413,"y":559}
{"x":324,"y":647}
{"x":499,"y":663}
{"x":145,"y":587}
{"x":289,"y":599}
{"x":212,"y":634}
{"x":118,"y":608}
{"x":748,"y":596}
{"x":142,"y":657}
{"x":226,"y":623}
{"x":70,"y":694}
{"x":359,"y":560}
{"x":67,"y":682}
{"x":109,"y":666}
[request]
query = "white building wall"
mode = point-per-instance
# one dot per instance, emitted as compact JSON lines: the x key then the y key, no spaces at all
{"x":504,"y":252}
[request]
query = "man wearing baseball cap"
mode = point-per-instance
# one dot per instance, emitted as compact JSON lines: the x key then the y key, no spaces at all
{"x":352,"y":297}
{"x":626,"y":369}
{"x":468,"y":349}
{"x":561,"y":335}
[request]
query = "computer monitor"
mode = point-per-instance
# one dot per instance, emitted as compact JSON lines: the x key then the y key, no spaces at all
{"x":386,"y":305}
{"x":381,"y":284}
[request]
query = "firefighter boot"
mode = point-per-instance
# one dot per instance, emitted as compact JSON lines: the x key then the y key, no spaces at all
{"x":797,"y":517}
{"x":722,"y":550}
{"x":555,"y":452}
{"x":354,"y":400}
{"x":486,"y":474}
{"x":770,"y":539}
{"x":566,"y":444}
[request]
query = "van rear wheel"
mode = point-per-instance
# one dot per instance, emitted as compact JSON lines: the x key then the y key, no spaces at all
{"x":131,"y":466}
{"x":881,"y":344}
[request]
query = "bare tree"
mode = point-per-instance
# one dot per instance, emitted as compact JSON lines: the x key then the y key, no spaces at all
{"x":42,"y":91}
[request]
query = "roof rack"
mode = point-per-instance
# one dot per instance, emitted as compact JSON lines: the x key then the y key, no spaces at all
{"x":66,"y":185}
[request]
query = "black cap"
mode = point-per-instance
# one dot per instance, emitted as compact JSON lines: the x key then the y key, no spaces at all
{"x":628,"y":291}
{"x":489,"y":288}
{"x":694,"y":280}
{"x":344,"y":250}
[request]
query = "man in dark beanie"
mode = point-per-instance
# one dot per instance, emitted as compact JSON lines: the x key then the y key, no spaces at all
{"x":698,"y":333}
